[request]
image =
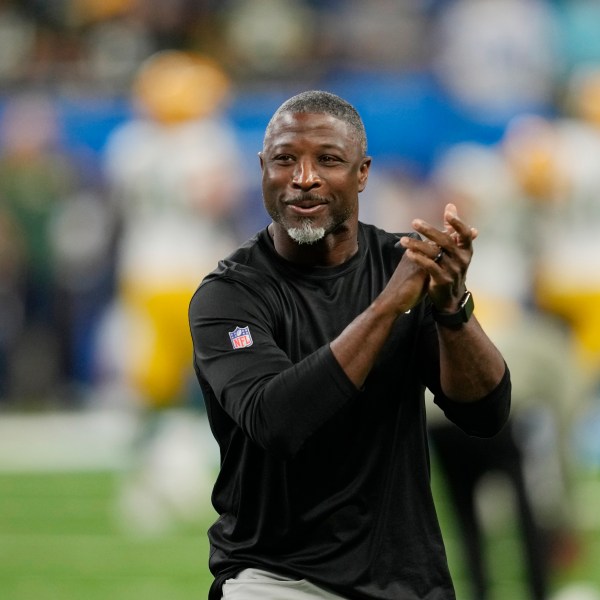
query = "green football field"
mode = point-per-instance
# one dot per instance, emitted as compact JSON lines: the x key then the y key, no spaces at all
{"x":59,"y":541}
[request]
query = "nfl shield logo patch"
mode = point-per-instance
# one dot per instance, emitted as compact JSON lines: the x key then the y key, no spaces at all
{"x":240,"y":338}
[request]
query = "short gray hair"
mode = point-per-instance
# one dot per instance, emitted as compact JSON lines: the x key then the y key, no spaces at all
{"x":320,"y":102}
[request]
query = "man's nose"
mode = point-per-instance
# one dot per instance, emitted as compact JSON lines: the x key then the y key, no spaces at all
{"x":306,"y":175}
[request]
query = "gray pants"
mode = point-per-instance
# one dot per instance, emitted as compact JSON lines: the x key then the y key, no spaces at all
{"x":256,"y":584}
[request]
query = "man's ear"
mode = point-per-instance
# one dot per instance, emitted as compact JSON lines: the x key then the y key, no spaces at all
{"x":262,"y":162}
{"x":363,"y":173}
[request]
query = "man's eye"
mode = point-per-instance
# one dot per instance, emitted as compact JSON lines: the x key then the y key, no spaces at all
{"x":283,"y":158}
{"x":327,"y":158}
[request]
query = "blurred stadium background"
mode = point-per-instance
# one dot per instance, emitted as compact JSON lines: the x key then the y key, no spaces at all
{"x":128,"y":138}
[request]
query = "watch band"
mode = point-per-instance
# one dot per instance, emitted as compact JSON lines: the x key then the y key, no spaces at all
{"x":462,"y":315}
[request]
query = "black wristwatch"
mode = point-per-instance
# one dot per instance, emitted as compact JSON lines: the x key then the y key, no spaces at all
{"x":462,"y":315}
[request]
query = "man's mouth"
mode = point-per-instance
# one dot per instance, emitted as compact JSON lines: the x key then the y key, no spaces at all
{"x":306,"y":205}
{"x":306,"y":209}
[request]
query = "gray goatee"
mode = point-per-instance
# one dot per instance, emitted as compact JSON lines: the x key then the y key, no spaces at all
{"x":306,"y":233}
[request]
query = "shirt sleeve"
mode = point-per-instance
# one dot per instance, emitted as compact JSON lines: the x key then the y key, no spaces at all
{"x":482,"y":418}
{"x":278,"y":404}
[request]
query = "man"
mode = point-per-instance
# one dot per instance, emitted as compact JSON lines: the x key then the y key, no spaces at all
{"x":313,"y":343}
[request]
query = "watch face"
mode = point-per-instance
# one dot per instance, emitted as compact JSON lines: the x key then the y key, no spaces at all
{"x":468,"y":306}
{"x":462,"y":315}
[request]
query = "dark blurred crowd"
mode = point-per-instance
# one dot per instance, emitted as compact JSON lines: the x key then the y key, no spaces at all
{"x":129,"y":131}
{"x":80,"y":45}
{"x":96,"y":46}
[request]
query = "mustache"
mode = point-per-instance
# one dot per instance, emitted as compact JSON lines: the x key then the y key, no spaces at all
{"x":307,"y":197}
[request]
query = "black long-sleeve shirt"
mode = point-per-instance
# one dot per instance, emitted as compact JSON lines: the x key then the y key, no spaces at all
{"x":320,"y":480}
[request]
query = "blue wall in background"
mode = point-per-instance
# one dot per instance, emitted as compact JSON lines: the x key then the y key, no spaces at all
{"x":408,"y":119}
